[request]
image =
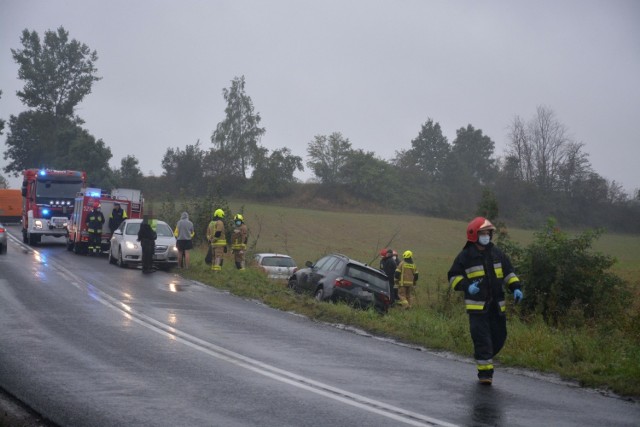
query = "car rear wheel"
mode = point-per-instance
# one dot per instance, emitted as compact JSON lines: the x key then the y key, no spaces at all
{"x":319,"y":295}
{"x":293,"y":284}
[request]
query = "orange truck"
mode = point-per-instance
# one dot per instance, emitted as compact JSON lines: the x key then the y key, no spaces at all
{"x":10,"y":206}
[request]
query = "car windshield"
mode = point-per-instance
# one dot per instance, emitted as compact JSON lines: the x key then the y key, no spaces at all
{"x":278,"y":261}
{"x":132,"y":229}
{"x":373,"y":279}
{"x":164,"y":230}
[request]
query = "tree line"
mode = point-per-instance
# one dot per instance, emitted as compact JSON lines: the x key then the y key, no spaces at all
{"x":543,"y":172}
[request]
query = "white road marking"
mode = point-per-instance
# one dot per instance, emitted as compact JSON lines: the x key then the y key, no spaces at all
{"x":343,"y":396}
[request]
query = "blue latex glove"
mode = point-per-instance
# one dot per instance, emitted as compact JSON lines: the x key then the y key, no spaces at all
{"x":517,"y":295}
{"x":474,"y":288}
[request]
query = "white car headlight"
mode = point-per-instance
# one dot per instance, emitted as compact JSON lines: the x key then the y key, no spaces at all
{"x":132,"y":245}
{"x":174,"y":248}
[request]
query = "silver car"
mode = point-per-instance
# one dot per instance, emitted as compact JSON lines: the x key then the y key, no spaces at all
{"x":277,"y":266}
{"x":125,"y":249}
{"x":3,"y":239}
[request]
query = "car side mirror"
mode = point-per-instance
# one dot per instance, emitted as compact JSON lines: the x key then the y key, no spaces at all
{"x":308,"y":264}
{"x":117,"y":231}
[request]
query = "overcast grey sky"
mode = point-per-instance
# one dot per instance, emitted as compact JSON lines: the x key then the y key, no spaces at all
{"x":373,"y":70}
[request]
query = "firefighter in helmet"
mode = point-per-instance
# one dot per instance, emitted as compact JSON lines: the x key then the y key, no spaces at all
{"x":482,"y":272}
{"x":239,"y":239}
{"x":217,"y":238}
{"x":94,"y":223}
{"x":406,"y":277}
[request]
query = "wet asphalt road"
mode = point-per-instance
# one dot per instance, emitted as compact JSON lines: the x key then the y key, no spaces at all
{"x":87,"y":343}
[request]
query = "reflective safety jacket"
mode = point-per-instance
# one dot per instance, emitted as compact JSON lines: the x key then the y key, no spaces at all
{"x":239,"y":238}
{"x":406,"y":273}
{"x":95,"y":219}
{"x":216,"y":234}
{"x":492,"y":268}
{"x":116,"y":218}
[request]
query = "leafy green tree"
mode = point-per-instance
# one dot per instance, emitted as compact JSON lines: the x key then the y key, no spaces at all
{"x":3,"y":182}
{"x":237,"y":136}
{"x":474,"y":152}
{"x":370,"y":177}
{"x":428,"y":153}
{"x":37,"y":139}
{"x":58,"y":73}
{"x":1,"y":121}
{"x":184,"y":168}
{"x":273,"y":174}
{"x":328,"y":156}
{"x":129,"y":175}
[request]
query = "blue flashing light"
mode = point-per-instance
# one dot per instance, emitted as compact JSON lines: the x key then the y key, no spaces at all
{"x":42,"y":172}
{"x":45,"y":211}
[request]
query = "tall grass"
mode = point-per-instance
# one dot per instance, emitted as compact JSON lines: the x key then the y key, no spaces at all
{"x":606,"y":356}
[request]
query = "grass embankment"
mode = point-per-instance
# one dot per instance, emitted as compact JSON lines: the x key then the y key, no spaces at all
{"x":594,"y":355}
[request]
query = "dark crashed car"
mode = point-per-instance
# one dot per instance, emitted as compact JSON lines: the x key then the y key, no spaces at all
{"x":337,"y":277}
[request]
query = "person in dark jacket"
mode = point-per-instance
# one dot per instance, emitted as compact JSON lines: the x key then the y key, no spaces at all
{"x":94,"y":223}
{"x":117,"y":216}
{"x":147,"y":238}
{"x":481,"y":271}
{"x":388,"y":265}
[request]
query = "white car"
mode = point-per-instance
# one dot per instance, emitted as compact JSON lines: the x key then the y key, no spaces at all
{"x":277,"y":266}
{"x":125,"y":249}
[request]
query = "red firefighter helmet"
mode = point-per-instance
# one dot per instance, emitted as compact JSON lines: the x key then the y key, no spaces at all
{"x":96,"y":205}
{"x":478,"y":224}
{"x":383,"y":252}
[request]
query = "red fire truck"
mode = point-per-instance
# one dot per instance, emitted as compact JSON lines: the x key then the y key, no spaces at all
{"x":47,"y":202}
{"x":130,"y":201}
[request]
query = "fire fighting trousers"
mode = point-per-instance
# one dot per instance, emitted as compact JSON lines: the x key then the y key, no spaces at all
{"x":218,"y":254}
{"x":405,"y":296}
{"x":94,"y":243}
{"x":238,"y":257}
{"x":489,"y":333}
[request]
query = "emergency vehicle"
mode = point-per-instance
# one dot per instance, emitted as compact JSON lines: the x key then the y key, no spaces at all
{"x":130,"y":201}
{"x":48,"y":201}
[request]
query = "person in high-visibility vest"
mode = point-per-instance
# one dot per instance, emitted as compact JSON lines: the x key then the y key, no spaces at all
{"x":239,"y":241}
{"x":217,"y":239}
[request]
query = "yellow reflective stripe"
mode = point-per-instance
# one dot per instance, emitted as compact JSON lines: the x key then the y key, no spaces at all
{"x":499,"y":273}
{"x":475,"y":274}
{"x":474,"y":270}
{"x":484,"y":367}
{"x":475,"y":306}
{"x":455,"y":280}
{"x":503,"y":306}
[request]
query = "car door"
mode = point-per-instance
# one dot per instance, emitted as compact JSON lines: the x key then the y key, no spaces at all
{"x":309,"y":282}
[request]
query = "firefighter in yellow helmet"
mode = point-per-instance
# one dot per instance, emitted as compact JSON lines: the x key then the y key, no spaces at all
{"x":406,"y":277}
{"x":239,"y":239}
{"x":482,"y":271}
{"x":217,"y":239}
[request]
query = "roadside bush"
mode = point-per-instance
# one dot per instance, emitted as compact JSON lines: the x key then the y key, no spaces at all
{"x":200,"y":212}
{"x":564,"y":279}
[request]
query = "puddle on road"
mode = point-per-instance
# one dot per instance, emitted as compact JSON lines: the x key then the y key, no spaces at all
{"x":177,"y":287}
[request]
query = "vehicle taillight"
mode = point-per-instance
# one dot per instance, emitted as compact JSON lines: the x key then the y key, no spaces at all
{"x":1,"y":230}
{"x":343,"y":283}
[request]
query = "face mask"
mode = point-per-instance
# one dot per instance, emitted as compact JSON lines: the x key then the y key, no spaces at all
{"x":484,"y":239}
{"x":238,"y":223}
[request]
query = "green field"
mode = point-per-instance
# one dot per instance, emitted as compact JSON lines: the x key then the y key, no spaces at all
{"x":597,"y":357}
